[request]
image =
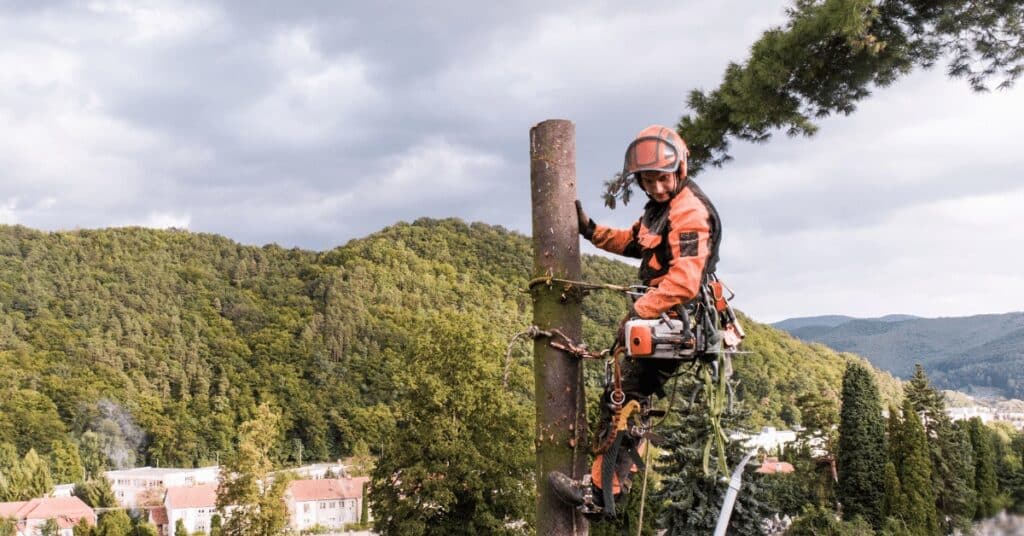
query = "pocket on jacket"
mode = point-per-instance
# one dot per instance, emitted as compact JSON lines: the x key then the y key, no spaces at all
{"x":688,"y":246}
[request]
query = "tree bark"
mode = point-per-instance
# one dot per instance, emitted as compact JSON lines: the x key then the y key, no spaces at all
{"x":561,"y":434}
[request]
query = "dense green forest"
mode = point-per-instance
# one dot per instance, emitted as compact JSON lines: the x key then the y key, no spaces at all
{"x":144,"y":346}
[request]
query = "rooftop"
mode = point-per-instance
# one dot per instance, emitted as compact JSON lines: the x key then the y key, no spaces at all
{"x":327,"y":488}
{"x":154,"y":472}
{"x":158,"y":516}
{"x":201,"y":496}
{"x":771,"y":466}
{"x":66,"y":510}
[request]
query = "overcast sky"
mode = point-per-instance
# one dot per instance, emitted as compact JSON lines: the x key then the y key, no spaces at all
{"x":309,"y":126}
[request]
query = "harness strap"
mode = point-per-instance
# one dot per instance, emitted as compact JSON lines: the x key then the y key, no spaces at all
{"x":608,"y":476}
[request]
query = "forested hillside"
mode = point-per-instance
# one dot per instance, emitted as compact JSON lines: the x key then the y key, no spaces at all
{"x":144,"y":346}
{"x":981,"y":354}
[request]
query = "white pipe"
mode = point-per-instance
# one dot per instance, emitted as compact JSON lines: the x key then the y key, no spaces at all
{"x":730,"y":496}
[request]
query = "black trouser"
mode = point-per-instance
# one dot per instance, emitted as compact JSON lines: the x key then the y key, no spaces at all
{"x":641,"y":378}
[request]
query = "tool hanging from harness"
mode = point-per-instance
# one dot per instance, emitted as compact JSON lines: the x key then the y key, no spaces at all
{"x":706,"y":332}
{"x":674,"y":337}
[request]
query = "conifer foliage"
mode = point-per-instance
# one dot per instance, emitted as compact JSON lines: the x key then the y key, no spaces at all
{"x":862,"y":447}
{"x":830,"y":55}
{"x":951,"y":457}
{"x":692,"y":500}
{"x":985,"y":483}
{"x":917,"y":505}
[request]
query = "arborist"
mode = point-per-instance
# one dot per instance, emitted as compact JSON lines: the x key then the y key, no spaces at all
{"x":676,"y":240}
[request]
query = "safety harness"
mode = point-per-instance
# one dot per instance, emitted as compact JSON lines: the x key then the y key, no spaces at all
{"x":705,"y":333}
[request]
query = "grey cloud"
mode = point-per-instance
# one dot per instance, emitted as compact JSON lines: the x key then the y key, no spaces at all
{"x":198,"y":121}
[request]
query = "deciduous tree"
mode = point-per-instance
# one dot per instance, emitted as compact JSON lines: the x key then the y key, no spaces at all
{"x":472,"y":469}
{"x":65,"y":463}
{"x":49,"y":528}
{"x":29,"y":479}
{"x":248,"y":498}
{"x":114,"y":523}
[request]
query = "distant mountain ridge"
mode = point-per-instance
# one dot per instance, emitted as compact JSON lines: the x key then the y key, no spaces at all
{"x":982,"y":354}
{"x":832,"y":321}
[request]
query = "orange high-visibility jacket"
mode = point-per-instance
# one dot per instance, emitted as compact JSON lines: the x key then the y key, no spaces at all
{"x":677,"y":244}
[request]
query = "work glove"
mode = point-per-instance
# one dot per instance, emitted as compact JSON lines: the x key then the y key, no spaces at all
{"x":586,"y":224}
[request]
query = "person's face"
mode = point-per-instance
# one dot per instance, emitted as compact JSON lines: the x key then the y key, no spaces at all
{"x":658,"y":184}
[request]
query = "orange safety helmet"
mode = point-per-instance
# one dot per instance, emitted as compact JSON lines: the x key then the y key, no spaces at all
{"x":656,"y":148}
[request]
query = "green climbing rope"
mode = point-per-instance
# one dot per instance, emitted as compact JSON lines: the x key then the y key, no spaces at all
{"x":715,"y":390}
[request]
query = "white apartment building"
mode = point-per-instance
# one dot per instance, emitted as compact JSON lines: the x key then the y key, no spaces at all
{"x":769,"y":439}
{"x":63,"y":490}
{"x":315,"y":471}
{"x":131,"y":486}
{"x":194,"y":505}
{"x":987,"y":415}
{"x":330,"y":502}
{"x":961,"y":414}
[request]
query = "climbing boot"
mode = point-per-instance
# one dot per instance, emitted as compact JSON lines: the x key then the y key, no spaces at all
{"x":568,"y":490}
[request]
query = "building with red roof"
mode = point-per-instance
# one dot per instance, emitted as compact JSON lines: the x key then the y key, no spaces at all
{"x":29,"y":516}
{"x":771,"y":466}
{"x":158,"y":517}
{"x":329,"y":502}
{"x":136,"y":486}
{"x":194,"y":505}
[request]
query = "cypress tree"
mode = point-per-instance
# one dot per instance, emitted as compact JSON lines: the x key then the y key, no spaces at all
{"x":364,"y":507}
{"x":965,"y":469}
{"x":916,"y":476}
{"x":862,"y":448}
{"x":923,"y":397}
{"x":892,"y":503}
{"x":895,"y":431}
{"x":984,"y":470}
{"x":953,"y":493}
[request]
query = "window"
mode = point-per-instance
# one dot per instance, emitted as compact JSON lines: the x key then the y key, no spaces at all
{"x":305,"y":508}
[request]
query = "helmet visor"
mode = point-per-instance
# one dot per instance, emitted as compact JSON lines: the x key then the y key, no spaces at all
{"x":651,"y":153}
